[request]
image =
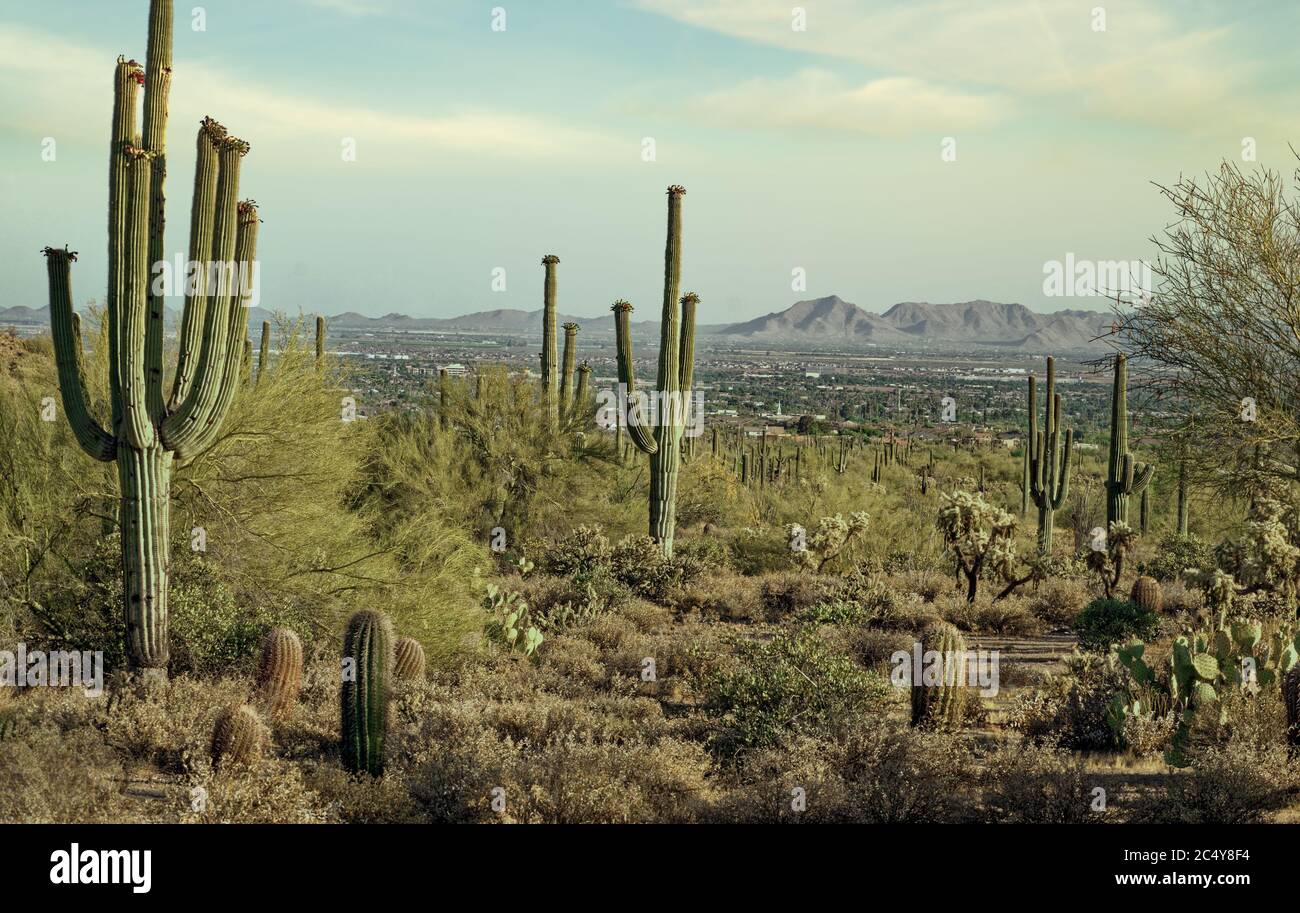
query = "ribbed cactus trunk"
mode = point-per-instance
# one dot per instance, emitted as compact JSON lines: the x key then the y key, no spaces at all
{"x":549,"y":374}
{"x":1049,"y":460}
{"x":369,"y":649}
{"x":568,"y":368}
{"x":1125,"y":477}
{"x":1024,"y":482}
{"x":321,"y":333}
{"x":264,"y":351}
{"x":148,"y":431}
{"x":582,"y":395}
{"x":1182,"y":498}
{"x":663,"y":441}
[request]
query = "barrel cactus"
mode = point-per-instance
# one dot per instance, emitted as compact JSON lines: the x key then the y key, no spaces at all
{"x":661,"y":440}
{"x":238,"y":737}
{"x":1147,"y":594}
{"x":148,"y":429}
{"x":941,"y":705}
{"x":409,"y":664}
{"x":279,"y":671}
{"x":368,"y":657}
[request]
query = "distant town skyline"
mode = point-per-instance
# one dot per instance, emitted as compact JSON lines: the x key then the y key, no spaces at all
{"x":422,"y":158}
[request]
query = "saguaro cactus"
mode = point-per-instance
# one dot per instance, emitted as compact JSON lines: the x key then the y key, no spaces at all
{"x":322,"y":331}
{"x":549,"y":379}
{"x":148,"y":431}
{"x":1049,"y":461}
{"x":1125,"y":477}
{"x":368,"y":645}
{"x":566,"y":372}
{"x":582,"y":395}
{"x":1182,"y":498}
{"x":677,"y":338}
{"x":264,"y":351}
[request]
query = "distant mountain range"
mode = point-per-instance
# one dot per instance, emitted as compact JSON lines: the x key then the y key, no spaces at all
{"x":820,"y":322}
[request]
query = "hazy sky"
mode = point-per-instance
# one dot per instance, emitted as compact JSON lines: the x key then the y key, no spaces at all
{"x":817,"y":149}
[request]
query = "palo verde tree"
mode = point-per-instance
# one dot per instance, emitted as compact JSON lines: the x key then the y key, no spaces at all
{"x":1217,"y":344}
{"x":148,"y":431}
{"x":662,"y":440}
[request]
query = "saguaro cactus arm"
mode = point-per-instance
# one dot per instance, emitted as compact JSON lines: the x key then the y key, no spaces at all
{"x":203,"y":208}
{"x":93,"y":439}
{"x":637,"y":424}
{"x":222,"y":342}
{"x":158,"y":79}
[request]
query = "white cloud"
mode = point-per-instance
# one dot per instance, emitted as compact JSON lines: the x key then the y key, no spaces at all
{"x":52,"y":87}
{"x":1149,"y":65}
{"x":350,"y":7}
{"x":818,"y":99}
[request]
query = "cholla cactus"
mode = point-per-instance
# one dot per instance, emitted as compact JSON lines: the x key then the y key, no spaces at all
{"x":828,"y":540}
{"x":980,"y":536}
{"x":149,"y":430}
{"x":1108,"y":562}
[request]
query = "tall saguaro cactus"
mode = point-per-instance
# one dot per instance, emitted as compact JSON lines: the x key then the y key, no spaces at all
{"x":147,"y":431}
{"x":1125,"y":476}
{"x":1049,"y":462}
{"x":676,"y":340}
{"x":566,"y":372}
{"x":549,"y":378}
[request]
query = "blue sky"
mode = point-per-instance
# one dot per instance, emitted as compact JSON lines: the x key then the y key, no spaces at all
{"x":816,"y":149}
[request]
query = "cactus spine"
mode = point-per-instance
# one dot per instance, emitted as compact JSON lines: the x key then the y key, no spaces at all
{"x":238,"y":736}
{"x":677,"y":337}
{"x":567,"y":371}
{"x":941,"y":705}
{"x":1125,"y":477}
{"x":549,"y":379}
{"x":1049,"y":460}
{"x":148,"y":431}
{"x":368,"y":645}
{"x":408,"y":662}
{"x":279,"y":671}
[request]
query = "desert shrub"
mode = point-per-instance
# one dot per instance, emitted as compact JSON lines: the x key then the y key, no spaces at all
{"x":1176,"y":554}
{"x":722,"y":594}
{"x":1072,"y":710}
{"x":754,"y":552}
{"x":837,"y":612}
{"x":788,"y":593}
{"x":1036,"y":784}
{"x":582,"y":548}
{"x":879,"y":774}
{"x":1058,"y":602}
{"x":1148,"y":734}
{"x":1179,"y":598}
{"x":1105,"y":622}
{"x":1226,"y":784}
{"x":929,"y":585}
{"x":794,"y":684}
